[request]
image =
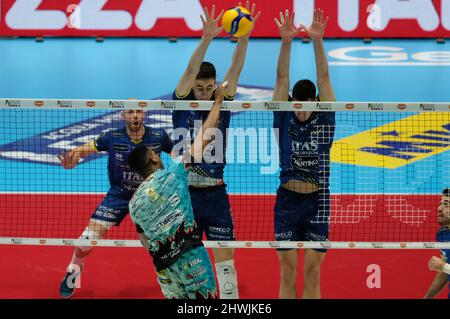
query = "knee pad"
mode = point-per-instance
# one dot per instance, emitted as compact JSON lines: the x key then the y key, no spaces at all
{"x":91,"y":234}
{"x":227,"y":279}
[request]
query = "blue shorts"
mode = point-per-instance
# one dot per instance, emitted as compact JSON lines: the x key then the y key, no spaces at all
{"x":191,"y":276}
{"x":111,"y":209}
{"x":302,"y":217}
{"x":212,"y":212}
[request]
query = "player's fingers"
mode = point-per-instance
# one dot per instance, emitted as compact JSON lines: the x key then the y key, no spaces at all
{"x":257,"y":16}
{"x":247,"y":5}
{"x":220,"y":15}
{"x":203,"y":20}
{"x":292,"y":18}
{"x":277,"y":22}
{"x":253,"y":9}
{"x":326,"y":21}
{"x":213,"y":11}
{"x":281,"y":18}
{"x":206,"y":13}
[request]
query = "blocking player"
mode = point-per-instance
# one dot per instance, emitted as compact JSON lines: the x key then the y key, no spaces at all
{"x":441,"y":265}
{"x":123,"y":181}
{"x":303,"y":200}
{"x":162,"y":208}
{"x":206,"y":185}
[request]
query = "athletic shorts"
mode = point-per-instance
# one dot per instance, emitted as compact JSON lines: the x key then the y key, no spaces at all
{"x":190,"y":277}
{"x":212,"y":212}
{"x":111,"y":209}
{"x":302,"y":217}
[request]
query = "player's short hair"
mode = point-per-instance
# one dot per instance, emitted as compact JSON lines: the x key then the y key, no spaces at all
{"x":207,"y":71}
{"x":446,"y":192}
{"x":140,"y":162}
{"x":304,"y":90}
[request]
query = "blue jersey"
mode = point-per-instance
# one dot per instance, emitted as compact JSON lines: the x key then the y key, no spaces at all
{"x":162,"y":208}
{"x":117,"y":143}
{"x":305,"y":147}
{"x":191,"y":121}
{"x":443,"y":235}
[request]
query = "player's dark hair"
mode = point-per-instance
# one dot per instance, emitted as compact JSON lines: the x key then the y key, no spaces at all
{"x":207,"y":71}
{"x":304,"y":90}
{"x":446,"y":192}
{"x":140,"y":162}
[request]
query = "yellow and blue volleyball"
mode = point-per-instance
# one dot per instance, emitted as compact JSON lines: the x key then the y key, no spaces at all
{"x":237,"y":21}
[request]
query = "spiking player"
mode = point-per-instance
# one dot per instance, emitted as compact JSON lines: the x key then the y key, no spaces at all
{"x":162,"y":208}
{"x":123,"y":181}
{"x":303,"y":200}
{"x":206,"y":185}
{"x":441,"y":265}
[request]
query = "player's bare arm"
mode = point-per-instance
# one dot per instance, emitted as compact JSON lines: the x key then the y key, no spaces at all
{"x":210,"y":30}
{"x":315,"y":32}
{"x":71,"y":158}
{"x":287,"y":32}
{"x":211,"y":121}
{"x":232,"y":76}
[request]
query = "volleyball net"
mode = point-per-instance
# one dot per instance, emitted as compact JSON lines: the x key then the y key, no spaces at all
{"x":388,"y":166}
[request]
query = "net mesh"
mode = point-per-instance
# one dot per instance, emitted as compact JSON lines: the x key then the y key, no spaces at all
{"x":387,"y":172}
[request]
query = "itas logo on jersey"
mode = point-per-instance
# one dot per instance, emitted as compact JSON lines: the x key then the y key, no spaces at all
{"x":396,"y":144}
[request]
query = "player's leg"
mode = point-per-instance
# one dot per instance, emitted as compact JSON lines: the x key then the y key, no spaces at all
{"x":196,"y":273}
{"x":287,"y":218}
{"x":316,"y":212}
{"x":110,"y":212}
{"x":288,"y":273}
{"x":170,"y":283}
{"x":312,"y":265}
{"x":220,"y":227}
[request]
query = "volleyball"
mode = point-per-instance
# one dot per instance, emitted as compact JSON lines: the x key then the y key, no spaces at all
{"x":237,"y":21}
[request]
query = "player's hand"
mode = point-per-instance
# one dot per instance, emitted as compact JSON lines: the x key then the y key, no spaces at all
{"x":220,"y":92}
{"x":436,"y":264}
{"x":317,"y":28}
{"x":252,"y":14}
{"x":286,"y":26}
{"x":210,"y":24}
{"x":69,"y":159}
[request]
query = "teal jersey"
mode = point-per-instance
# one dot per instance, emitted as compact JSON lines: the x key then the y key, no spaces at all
{"x":161,"y":206}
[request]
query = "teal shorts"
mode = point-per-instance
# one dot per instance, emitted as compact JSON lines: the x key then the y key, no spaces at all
{"x":190,"y":277}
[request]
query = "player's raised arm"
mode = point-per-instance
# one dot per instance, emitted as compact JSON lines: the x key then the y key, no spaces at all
{"x":441,"y":279}
{"x":71,"y":158}
{"x":211,"y":121}
{"x":287,"y":33}
{"x":210,"y":30}
{"x":237,"y":64}
{"x":315,"y":32}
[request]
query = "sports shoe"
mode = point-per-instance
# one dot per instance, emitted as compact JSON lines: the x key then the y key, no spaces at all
{"x":68,"y":284}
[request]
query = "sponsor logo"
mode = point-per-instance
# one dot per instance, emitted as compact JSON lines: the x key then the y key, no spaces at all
{"x":42,"y":241}
{"x":298,"y":106}
{"x":121,"y":147}
{"x":403,"y":245}
{"x":90,"y":103}
{"x":324,"y":106}
{"x":401,"y":106}
{"x":116,"y":104}
{"x":168,"y":219}
{"x":64,"y":104}
{"x":143,"y":104}
{"x":68,"y":242}
{"x":222,"y":244}
{"x":376,"y":106}
{"x":351,"y":245}
{"x":428,"y":107}
{"x":39,"y":103}
{"x":428,"y":245}
{"x":274,"y":244}
{"x":377,"y":245}
{"x":397,"y":143}
{"x":194,"y":105}
{"x":168,"y":105}
{"x":325,"y":245}
{"x":248,"y":245}
{"x":94,"y":242}
{"x":119,"y":243}
{"x":349,"y":106}
{"x":16,"y":241}
{"x":272,"y":106}
{"x":284,"y":235}
{"x":246,"y":105}
{"x":192,"y":264}
{"x":13,"y":103}
{"x":300,"y":245}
